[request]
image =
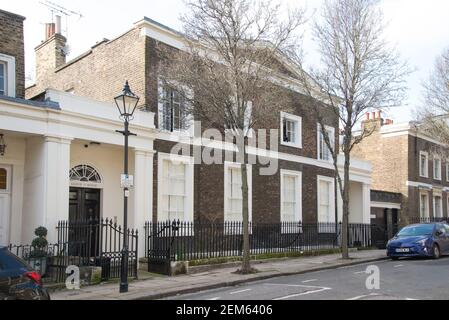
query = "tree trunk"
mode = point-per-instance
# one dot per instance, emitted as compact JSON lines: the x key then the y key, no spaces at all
{"x":246,"y":265}
{"x":345,"y":222}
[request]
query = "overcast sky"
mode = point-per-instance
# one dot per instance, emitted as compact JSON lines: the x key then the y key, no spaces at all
{"x":419,"y":28}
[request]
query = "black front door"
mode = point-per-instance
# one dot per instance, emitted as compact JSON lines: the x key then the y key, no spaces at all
{"x":84,"y":216}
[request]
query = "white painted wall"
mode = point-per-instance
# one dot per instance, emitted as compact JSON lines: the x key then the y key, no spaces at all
{"x":46,"y":185}
{"x":15,"y":158}
{"x":356,"y":206}
{"x":108,"y":160}
{"x":33,"y":200}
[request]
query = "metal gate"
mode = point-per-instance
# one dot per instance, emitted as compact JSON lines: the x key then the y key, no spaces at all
{"x":95,"y":243}
{"x":379,"y":235}
{"x":90,"y":243}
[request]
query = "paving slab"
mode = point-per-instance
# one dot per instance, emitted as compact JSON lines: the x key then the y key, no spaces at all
{"x":160,"y":286}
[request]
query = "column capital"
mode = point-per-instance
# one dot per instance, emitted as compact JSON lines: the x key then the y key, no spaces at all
{"x":58,"y":139}
{"x":144,"y":152}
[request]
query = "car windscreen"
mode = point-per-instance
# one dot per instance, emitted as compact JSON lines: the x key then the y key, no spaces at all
{"x":418,"y":230}
{"x":10,"y":261}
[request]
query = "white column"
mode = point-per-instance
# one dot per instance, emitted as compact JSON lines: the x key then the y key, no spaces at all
{"x":366,"y":203}
{"x":56,"y":168}
{"x":143,"y":194}
{"x":17,"y":221}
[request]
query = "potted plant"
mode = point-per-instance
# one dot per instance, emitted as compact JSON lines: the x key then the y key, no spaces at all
{"x":38,"y":253}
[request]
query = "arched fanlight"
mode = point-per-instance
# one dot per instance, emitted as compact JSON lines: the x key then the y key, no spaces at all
{"x":85,"y":173}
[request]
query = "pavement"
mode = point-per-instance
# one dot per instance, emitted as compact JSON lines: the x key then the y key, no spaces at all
{"x":408,"y":279}
{"x":159,"y":287}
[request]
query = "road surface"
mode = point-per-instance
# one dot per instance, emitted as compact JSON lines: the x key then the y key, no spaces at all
{"x":416,"y":279}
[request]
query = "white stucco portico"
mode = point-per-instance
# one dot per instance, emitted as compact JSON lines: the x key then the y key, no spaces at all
{"x":359,"y":192}
{"x":45,"y":140}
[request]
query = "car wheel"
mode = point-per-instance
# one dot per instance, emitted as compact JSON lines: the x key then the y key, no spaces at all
{"x":436,"y":252}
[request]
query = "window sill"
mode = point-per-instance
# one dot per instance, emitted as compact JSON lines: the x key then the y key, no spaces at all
{"x":292,"y":145}
{"x":183,"y":133}
{"x":326,"y":161}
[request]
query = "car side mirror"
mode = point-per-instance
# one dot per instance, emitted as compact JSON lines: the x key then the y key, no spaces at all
{"x":439,"y":233}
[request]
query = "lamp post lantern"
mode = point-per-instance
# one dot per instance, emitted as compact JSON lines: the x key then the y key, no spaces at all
{"x":126,"y":103}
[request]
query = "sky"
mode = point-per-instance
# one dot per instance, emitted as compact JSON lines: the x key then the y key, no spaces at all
{"x":418,"y":28}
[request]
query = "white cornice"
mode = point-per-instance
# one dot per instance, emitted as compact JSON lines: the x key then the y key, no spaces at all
{"x":407,"y":128}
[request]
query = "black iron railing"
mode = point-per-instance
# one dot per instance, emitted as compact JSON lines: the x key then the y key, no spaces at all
{"x":413,"y":220}
{"x":87,"y":243}
{"x":187,"y":241}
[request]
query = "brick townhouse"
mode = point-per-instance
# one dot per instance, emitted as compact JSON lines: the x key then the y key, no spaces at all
{"x":73,"y":158}
{"x":409,"y":165}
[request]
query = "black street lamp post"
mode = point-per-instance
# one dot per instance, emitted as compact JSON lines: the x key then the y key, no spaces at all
{"x":126,"y":104}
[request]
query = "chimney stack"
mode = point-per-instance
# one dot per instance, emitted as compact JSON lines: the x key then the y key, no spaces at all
{"x":50,"y":54}
{"x":374,"y":120}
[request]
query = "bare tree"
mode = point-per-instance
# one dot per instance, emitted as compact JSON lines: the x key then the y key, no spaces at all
{"x":359,"y":72}
{"x":228,"y":70}
{"x":434,"y":115}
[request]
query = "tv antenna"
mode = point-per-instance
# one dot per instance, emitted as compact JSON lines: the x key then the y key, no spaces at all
{"x":58,"y":10}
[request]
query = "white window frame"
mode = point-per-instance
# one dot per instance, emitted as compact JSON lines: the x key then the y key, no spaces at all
{"x":427,"y":213}
{"x":331,"y":181}
{"x":298,"y":134}
{"x":447,"y":170}
{"x":447,"y":205}
{"x":424,"y":173}
{"x":331,"y":132}
{"x":189,"y":181}
{"x":298,"y":176}
{"x":435,"y":176}
{"x":5,"y":78}
{"x":189,"y":131}
{"x":249,"y":132}
{"x":10,"y":62}
{"x":227,"y":166}
{"x":440,"y":215}
{"x":8,"y":179}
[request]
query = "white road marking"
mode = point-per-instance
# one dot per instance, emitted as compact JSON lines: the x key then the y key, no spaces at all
{"x":302,"y":294}
{"x":364,"y":296}
{"x":410,"y":299}
{"x":311,"y":280}
{"x":214,"y":299}
{"x":360,"y":272}
{"x":241,"y":291}
{"x":398,"y":266}
{"x":314,"y":289}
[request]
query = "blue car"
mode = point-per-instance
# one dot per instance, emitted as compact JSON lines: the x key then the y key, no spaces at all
{"x":420,"y":240}
{"x":18,"y":281}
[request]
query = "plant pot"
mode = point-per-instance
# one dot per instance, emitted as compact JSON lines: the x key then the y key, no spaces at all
{"x":39,"y":265}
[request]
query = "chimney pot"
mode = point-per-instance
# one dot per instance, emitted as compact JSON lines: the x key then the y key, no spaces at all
{"x":49,"y":30}
{"x":58,"y":25}
{"x":367,"y":116}
{"x":379,"y":114}
{"x":374,"y":115}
